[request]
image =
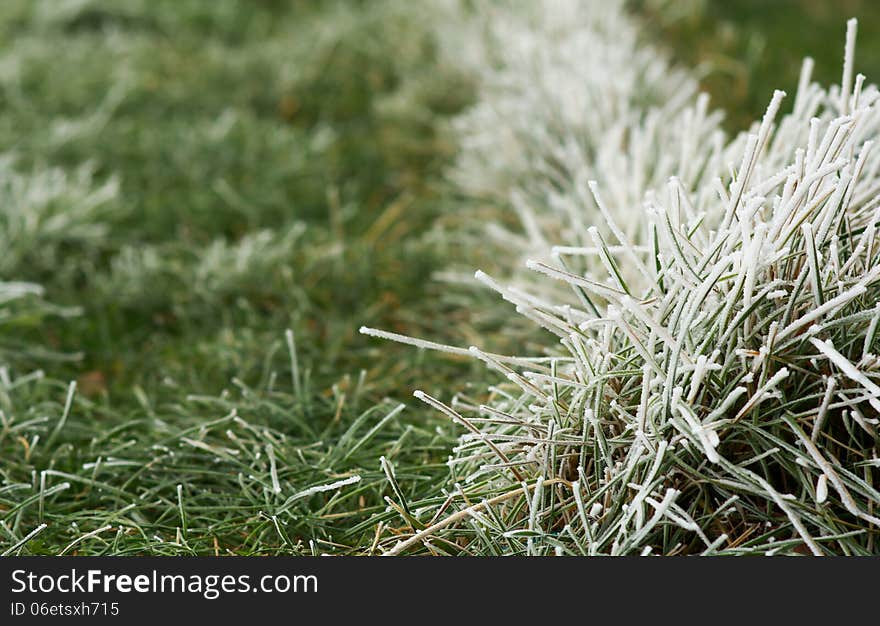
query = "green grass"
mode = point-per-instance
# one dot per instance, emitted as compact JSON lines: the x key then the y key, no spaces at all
{"x":274,"y":166}
{"x":259,"y":166}
{"x":745,"y":49}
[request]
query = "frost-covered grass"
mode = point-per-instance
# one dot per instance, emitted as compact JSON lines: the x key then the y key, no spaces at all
{"x":710,"y":386}
{"x":183,"y":181}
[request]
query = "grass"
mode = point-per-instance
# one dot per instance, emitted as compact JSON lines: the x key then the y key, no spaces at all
{"x":609,"y":446}
{"x":223,"y":172}
{"x":747,"y":48}
{"x":225,"y":215}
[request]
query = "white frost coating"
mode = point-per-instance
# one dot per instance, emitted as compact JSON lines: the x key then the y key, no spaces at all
{"x":36,"y":531}
{"x":339,"y":484}
{"x":821,"y":489}
{"x":827,"y":348}
{"x":273,"y":468}
{"x":351,"y":480}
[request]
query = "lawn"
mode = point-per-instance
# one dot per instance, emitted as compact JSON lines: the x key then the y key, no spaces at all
{"x":213,"y":197}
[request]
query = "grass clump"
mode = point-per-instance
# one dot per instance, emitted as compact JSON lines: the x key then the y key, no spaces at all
{"x":717,"y":396}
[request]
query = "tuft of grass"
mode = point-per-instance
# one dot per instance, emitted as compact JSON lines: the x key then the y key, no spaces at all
{"x":718,"y":395}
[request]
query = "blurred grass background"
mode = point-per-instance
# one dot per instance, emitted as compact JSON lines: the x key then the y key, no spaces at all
{"x":268,"y":165}
{"x":744,"y":49}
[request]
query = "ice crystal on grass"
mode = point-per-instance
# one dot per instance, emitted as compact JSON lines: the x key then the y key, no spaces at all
{"x":714,"y":387}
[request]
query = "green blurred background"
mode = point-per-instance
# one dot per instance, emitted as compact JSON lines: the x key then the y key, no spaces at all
{"x":744,"y":49}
